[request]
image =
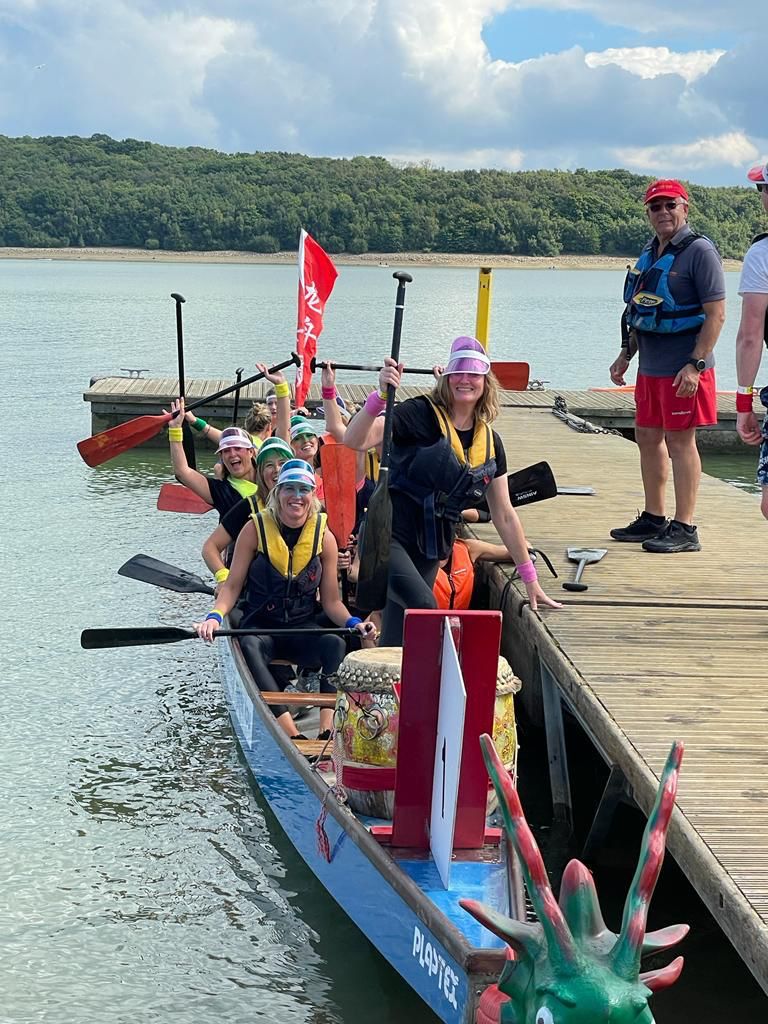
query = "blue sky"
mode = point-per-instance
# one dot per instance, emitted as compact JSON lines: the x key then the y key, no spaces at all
{"x":518,"y":84}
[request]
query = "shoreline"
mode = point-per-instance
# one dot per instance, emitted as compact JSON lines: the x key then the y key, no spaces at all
{"x":369,"y":259}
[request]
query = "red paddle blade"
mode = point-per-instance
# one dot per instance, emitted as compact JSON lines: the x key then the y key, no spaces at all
{"x":339,"y":465}
{"x":512,"y":376}
{"x":178,"y":498}
{"x":109,"y":443}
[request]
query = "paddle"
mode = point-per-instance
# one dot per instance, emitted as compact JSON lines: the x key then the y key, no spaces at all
{"x":584,"y":556}
{"x":339,"y":465}
{"x":178,"y":498}
{"x":97,"y":639}
{"x":375,"y":537}
{"x":238,"y":377}
{"x":109,"y":443}
{"x":161,"y":574}
{"x":188,"y":440}
{"x":511,"y":376}
{"x":534,"y":483}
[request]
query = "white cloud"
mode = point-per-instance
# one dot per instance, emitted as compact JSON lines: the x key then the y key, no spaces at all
{"x":342,"y":77}
{"x":455,"y":160}
{"x":733,"y":150}
{"x":650,"y":61}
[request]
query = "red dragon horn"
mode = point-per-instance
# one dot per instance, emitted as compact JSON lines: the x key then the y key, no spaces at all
{"x":560,"y":943}
{"x":629,"y":945}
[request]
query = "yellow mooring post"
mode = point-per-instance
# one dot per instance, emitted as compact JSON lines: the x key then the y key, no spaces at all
{"x":483,"y":320}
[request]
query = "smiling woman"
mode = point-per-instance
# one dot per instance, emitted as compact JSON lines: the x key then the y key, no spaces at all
{"x":282,"y":556}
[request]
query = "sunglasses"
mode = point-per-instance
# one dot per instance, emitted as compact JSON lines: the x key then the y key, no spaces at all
{"x":669,"y":205}
{"x":762,"y":187}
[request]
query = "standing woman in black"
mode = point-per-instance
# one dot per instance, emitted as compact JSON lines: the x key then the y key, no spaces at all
{"x":445,"y":458}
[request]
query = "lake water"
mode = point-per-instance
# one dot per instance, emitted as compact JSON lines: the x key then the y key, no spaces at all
{"x":141,"y":876}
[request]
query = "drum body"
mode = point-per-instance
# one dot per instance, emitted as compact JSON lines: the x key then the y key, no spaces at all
{"x":367,"y":721}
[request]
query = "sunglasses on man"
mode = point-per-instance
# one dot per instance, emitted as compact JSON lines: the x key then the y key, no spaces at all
{"x":670,"y":204}
{"x":762,"y":186}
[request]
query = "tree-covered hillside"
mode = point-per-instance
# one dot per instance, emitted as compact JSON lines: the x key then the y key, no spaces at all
{"x":101,"y":192}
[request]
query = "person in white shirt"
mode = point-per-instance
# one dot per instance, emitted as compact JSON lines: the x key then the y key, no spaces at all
{"x":753,"y":330}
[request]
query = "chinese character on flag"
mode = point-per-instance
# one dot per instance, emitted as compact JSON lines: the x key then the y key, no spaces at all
{"x":317,"y":276}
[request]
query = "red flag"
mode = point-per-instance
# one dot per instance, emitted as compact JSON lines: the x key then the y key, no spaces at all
{"x":317,"y":276}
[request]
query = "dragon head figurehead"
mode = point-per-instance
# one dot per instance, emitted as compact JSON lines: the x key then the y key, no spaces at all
{"x":568,"y":968}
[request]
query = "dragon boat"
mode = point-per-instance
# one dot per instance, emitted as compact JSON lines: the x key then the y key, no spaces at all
{"x":436,"y":888}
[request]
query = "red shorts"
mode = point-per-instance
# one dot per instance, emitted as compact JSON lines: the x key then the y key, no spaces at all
{"x":657,"y":404}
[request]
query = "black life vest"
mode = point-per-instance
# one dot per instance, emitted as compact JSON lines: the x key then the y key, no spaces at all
{"x":282,"y":582}
{"x":442,"y":477}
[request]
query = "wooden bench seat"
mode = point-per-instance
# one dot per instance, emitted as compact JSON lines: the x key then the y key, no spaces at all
{"x":314,"y":748}
{"x":308,"y":700}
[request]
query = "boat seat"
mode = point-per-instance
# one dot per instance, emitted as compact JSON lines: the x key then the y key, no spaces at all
{"x":309,"y":700}
{"x":313,"y":748}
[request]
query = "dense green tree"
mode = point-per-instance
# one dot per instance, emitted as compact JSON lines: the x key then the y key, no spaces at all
{"x":107,"y":192}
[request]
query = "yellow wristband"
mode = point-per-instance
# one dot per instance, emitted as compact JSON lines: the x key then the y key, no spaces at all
{"x":175,"y":434}
{"x":221,"y":574}
{"x":383,"y":394}
{"x":282,"y":390}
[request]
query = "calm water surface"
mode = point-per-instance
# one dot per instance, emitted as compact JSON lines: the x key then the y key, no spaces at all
{"x":141,"y":877}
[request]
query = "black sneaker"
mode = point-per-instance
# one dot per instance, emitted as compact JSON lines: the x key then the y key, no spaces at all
{"x":674,"y":538}
{"x":640,"y":529}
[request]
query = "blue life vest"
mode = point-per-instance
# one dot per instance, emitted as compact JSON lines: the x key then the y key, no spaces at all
{"x":282,"y":582}
{"x":442,"y":477}
{"x":651,"y":306}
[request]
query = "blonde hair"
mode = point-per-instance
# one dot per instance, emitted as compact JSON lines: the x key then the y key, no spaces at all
{"x":261,"y":484}
{"x":273,"y":506}
{"x":258,"y":418}
{"x":487,"y":408}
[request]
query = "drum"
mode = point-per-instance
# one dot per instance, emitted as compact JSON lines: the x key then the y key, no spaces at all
{"x":367,"y":717}
{"x":367,"y":720}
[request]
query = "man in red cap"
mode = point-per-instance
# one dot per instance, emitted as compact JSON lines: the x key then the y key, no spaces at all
{"x":753,"y":328}
{"x":675,"y":309}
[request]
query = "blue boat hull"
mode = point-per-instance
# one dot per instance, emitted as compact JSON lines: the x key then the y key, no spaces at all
{"x":420,"y":942}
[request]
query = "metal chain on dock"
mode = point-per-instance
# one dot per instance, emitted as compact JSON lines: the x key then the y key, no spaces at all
{"x":581,"y":426}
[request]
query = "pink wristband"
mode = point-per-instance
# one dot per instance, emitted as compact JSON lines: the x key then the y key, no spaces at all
{"x":329,"y":393}
{"x":527,"y":572}
{"x":374,"y":404}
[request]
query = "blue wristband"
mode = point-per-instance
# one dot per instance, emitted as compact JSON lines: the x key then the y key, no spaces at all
{"x":215,"y":615}
{"x":352,"y":621}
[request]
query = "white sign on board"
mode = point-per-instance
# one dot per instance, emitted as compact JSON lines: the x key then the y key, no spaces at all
{"x":450,"y":735}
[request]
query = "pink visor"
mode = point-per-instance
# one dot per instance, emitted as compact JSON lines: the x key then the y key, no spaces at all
{"x":467,"y":356}
{"x":758,"y":174}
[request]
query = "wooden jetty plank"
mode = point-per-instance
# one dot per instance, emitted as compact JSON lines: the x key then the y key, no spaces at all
{"x":672,"y":648}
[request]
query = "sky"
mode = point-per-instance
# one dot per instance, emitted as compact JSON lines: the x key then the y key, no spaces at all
{"x":669,"y":90}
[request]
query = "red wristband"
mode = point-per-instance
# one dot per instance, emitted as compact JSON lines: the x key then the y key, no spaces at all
{"x":743,"y":403}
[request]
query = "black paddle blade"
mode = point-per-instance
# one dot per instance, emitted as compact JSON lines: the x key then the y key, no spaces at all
{"x":534,"y":483}
{"x":375,"y":537}
{"x":161,"y":574}
{"x":97,"y":639}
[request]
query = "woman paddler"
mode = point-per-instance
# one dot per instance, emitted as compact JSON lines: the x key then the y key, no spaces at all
{"x":237,"y":452}
{"x":281,"y":559}
{"x":272,"y":455}
{"x":445,"y":458}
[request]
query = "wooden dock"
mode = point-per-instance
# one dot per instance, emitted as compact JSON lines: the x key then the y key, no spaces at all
{"x":661,"y":647}
{"x":114,"y":400}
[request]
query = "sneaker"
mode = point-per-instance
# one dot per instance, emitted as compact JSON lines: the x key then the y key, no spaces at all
{"x":674,"y":538}
{"x":308,"y":680}
{"x":640,"y":529}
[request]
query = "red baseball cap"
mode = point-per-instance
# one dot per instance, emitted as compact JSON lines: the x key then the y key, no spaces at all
{"x":759,"y":174}
{"x":665,"y":187}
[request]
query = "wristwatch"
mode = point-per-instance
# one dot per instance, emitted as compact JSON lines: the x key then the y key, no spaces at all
{"x":698,"y":364}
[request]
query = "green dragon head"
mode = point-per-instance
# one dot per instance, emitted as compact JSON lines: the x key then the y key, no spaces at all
{"x":568,"y":968}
